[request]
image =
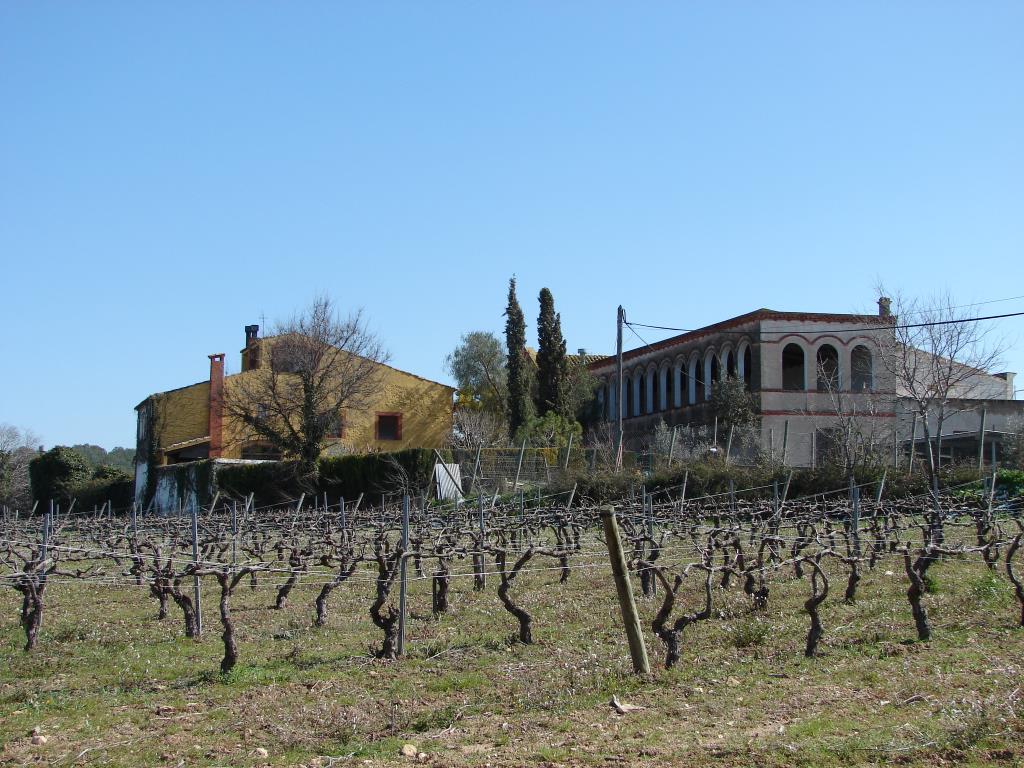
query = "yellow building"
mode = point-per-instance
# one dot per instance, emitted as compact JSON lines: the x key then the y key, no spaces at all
{"x":192,"y":422}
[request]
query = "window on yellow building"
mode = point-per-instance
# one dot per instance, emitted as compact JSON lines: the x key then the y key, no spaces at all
{"x":389,"y":426}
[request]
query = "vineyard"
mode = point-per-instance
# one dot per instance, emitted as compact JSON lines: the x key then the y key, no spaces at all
{"x":842,"y":628}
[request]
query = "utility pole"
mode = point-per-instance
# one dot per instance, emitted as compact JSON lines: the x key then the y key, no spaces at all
{"x":619,"y":394}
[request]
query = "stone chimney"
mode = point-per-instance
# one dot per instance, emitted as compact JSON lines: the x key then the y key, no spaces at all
{"x":1008,"y":376}
{"x":217,"y":404}
{"x":884,"y":306}
{"x":251,"y":353}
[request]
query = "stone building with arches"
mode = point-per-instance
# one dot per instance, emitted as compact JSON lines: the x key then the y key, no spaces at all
{"x":798,"y":366}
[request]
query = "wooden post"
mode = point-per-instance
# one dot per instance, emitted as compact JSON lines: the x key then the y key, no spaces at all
{"x":855,"y":520}
{"x":785,"y":490}
{"x":403,"y":584}
{"x":895,"y":450}
{"x":568,"y":451}
{"x":620,"y":395}
{"x":476,"y":467}
{"x":234,"y":535}
{"x":981,"y":442}
{"x":913,"y":445}
{"x":881,"y":487}
{"x":771,"y":445}
{"x":785,"y":440}
{"x":728,"y":444}
{"x":672,"y":445}
{"x":623,"y":590}
{"x":195,"y":561}
{"x":519,"y":465}
{"x":480,"y":562}
{"x":814,"y":449}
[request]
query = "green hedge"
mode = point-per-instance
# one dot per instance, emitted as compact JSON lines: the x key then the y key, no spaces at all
{"x":98,"y":491}
{"x":340,"y":476}
{"x":711,"y":477}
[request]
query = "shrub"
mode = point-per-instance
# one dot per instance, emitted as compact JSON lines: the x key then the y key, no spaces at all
{"x":56,"y":473}
{"x":272,"y":482}
{"x":749,"y":632}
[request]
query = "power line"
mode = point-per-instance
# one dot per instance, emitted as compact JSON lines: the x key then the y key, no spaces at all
{"x":880,"y":326}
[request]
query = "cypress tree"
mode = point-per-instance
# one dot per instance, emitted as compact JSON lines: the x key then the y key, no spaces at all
{"x":518,"y":365}
{"x":552,"y":372}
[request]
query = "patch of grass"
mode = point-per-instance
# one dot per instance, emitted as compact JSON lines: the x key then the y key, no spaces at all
{"x":458,"y":681}
{"x":989,"y":588}
{"x":749,"y":632}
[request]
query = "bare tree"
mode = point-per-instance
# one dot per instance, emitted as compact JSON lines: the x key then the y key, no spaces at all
{"x":478,"y":428}
{"x":855,"y":427}
{"x":17,"y":448}
{"x":318,"y":365}
{"x":937,"y":353}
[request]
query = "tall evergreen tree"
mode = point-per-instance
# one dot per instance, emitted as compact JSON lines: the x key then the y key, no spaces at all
{"x":552,"y":370}
{"x":518,"y":365}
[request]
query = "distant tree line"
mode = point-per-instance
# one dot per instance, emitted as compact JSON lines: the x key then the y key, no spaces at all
{"x":86,"y":472}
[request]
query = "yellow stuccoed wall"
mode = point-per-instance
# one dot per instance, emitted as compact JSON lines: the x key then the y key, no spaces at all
{"x":426,"y":408}
{"x":183,"y":414}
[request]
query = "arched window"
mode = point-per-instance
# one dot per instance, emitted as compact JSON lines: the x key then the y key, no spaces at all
{"x":827,"y":367}
{"x":640,"y":398}
{"x":654,"y":385}
{"x":716,"y":373}
{"x":793,"y":378}
{"x":729,"y":364}
{"x":691,"y":389}
{"x":684,"y":385}
{"x":627,"y":403}
{"x":707,"y":378}
{"x":748,"y":367}
{"x":663,"y":398}
{"x":861,"y":375}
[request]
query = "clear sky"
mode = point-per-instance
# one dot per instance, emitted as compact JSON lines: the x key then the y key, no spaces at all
{"x":170,"y":172}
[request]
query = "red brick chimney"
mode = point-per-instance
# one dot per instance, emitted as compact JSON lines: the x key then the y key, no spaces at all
{"x":216,"y":405}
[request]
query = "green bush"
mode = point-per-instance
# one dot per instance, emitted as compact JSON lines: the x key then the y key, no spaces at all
{"x":98,"y":491}
{"x":1010,"y":481}
{"x":273,"y":482}
{"x":55,"y":474}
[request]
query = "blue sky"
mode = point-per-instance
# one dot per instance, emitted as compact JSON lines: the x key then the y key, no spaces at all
{"x":171,"y":172}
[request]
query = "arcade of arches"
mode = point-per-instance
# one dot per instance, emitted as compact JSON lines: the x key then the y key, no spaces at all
{"x":686,"y":379}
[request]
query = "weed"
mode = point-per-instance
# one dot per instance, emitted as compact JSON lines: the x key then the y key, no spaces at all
{"x":749,"y":632}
